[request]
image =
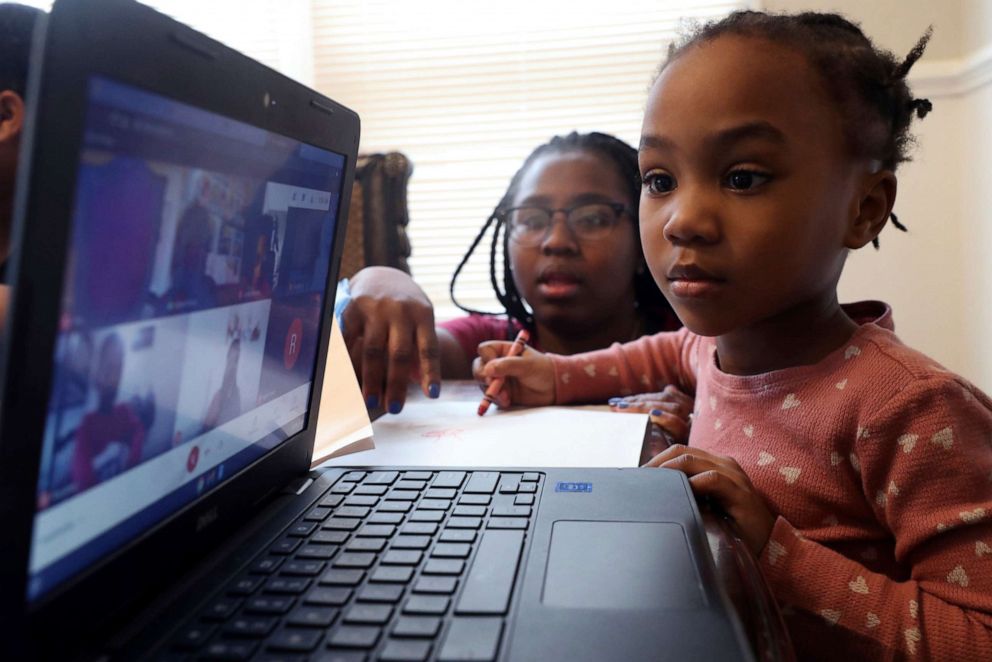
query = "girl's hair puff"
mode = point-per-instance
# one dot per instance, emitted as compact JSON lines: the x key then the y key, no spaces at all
{"x":868,"y":82}
{"x":650,"y":302}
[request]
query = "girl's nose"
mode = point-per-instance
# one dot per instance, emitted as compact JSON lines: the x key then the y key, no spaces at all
{"x":692,"y":219}
{"x":560,"y":238}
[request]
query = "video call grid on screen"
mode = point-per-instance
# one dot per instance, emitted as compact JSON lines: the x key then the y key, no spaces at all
{"x":200,"y":249}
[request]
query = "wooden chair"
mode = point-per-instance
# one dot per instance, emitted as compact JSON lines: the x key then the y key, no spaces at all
{"x":378,"y":216}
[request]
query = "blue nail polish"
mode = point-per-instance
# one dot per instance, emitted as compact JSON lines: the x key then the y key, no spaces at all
{"x":656,"y":412}
{"x":614,"y":401}
{"x":433,"y":390}
{"x":395,"y":407}
{"x":372,"y":402}
{"x":622,"y":405}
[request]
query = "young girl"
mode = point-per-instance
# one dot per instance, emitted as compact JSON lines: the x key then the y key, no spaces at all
{"x":568,"y":217}
{"x":858,"y":469}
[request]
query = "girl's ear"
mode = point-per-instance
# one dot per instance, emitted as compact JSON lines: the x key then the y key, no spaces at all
{"x":872,"y":208}
{"x":11,"y":115}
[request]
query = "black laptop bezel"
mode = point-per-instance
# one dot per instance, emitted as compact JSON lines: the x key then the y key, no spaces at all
{"x":129,"y":43}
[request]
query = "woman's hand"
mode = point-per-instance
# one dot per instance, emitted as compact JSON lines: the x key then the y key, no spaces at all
{"x":389,"y":330}
{"x":529,"y":379}
{"x":722,"y":480}
{"x":671,"y":410}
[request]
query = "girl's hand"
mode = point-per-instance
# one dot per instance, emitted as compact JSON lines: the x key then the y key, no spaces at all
{"x":529,"y":379}
{"x":673,"y":407}
{"x":722,"y":480}
{"x":389,"y":332}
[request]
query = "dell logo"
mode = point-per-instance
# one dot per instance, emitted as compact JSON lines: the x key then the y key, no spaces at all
{"x":573,"y":487}
{"x":206,"y":519}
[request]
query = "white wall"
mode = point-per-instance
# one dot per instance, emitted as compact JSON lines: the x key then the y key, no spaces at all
{"x":938,"y":277}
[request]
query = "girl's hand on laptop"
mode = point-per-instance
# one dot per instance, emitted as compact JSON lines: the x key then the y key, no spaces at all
{"x":722,"y":480}
{"x":529,"y":379}
{"x":389,"y":331}
{"x":673,"y":407}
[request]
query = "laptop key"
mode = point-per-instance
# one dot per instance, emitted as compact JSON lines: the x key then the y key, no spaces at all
{"x":368,"y":614}
{"x":440,"y":493}
{"x":285,"y":546}
{"x":352,"y":511}
{"x":427,"y":516}
{"x":245,"y":585}
{"x":402,"y":557}
{"x":457,"y":535}
{"x":509,"y":484}
{"x":317,"y":552}
{"x":469,"y":511}
{"x":342,"y":577}
{"x":419,"y":528}
{"x":253,"y":627}
{"x":268,"y":604}
{"x":511,"y":511}
{"x":385,"y":518}
{"x":312,"y":617}
{"x":434,"y":504}
{"x":353,"y":476}
{"x":411,"y":542}
{"x":444,"y":567}
{"x":317,"y":514}
{"x":354,"y":636}
{"x":366,"y":545}
{"x":474,"y":639}
{"x":331,"y":500}
{"x":302,"y":568}
{"x":436,"y":585}
{"x":265,"y":565}
{"x":402,"y":495}
{"x":287,"y":585}
{"x":418,"y":475}
{"x":416,"y":626}
{"x":376,"y":531}
{"x":296,"y":640}
{"x":524,"y":500}
{"x":394,"y":574}
{"x":220,"y":609}
{"x":507,"y":523}
{"x":529,"y":488}
{"x":453,"y":479}
{"x":338,"y":656}
{"x":428,"y":605}
{"x":395,"y":507}
{"x":475,"y":499}
{"x":280,"y":657}
{"x":354,"y":560}
{"x":228,"y":649}
{"x":490,"y":581}
{"x":341,"y":524}
{"x":329,"y":537}
{"x":301,"y":530}
{"x":530,"y":477}
{"x":374,"y":490}
{"x":482,"y":482}
{"x":464,"y":522}
{"x":407,"y":484}
{"x":328,"y":596}
{"x":362,"y":500}
{"x":381,"y":478}
{"x":452,"y":550}
{"x":399,"y":650}
{"x":342,"y":488}
{"x":192,"y":636}
{"x":389,"y":593}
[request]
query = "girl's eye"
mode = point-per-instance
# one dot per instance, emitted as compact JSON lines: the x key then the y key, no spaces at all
{"x":746,"y":180}
{"x":658,"y":182}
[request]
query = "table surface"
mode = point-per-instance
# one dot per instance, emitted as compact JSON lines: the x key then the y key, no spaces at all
{"x":735,"y":565}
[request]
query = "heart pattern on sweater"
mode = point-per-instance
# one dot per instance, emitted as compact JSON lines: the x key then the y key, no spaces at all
{"x":859,"y":585}
{"x":764,"y":459}
{"x":841,"y":384}
{"x":943,"y":438}
{"x":981,"y":549}
{"x":790,"y":473}
{"x":914,"y":608}
{"x":613,"y":372}
{"x":590,"y":369}
{"x":749,"y":431}
{"x":908,"y":442}
{"x":835,"y":458}
{"x":912,"y":637}
{"x":855,"y":463}
{"x":872,"y":621}
{"x":776,"y":550}
{"x":791,"y":401}
{"x":958,"y":576}
{"x":830,"y":615}
{"x":712,"y":403}
{"x":972,"y":515}
{"x":853,"y":350}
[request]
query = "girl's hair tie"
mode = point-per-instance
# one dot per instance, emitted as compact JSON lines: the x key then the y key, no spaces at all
{"x":921,"y":106}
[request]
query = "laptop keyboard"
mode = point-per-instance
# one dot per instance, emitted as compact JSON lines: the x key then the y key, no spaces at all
{"x":387,"y":565}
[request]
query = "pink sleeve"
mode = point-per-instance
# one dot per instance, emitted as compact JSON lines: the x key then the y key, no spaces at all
{"x":471,"y":330}
{"x":926,"y":468}
{"x":641,"y":366}
{"x":82,"y":457}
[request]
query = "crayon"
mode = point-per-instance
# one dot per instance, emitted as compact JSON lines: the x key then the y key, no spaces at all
{"x":494,"y":387}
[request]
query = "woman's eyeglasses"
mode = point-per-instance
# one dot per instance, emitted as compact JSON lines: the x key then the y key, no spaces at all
{"x":531,"y":225}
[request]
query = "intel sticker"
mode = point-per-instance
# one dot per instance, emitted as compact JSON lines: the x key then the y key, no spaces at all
{"x":573,"y":487}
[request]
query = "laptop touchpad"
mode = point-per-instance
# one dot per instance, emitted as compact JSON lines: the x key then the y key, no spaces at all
{"x":620,"y":565}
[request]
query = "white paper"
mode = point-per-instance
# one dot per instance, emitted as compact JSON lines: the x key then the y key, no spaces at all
{"x":450,"y":433}
{"x":342,"y":422}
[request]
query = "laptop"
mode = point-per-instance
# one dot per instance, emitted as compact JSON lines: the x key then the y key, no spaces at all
{"x":181,"y":210}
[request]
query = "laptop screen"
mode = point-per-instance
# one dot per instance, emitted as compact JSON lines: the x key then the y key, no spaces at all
{"x":190,"y":318}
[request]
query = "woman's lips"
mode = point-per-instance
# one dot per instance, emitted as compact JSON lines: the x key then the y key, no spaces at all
{"x":556,"y":285}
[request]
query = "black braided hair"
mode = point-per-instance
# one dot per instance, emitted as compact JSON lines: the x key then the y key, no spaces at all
{"x":657,"y":313}
{"x":16,"y":29}
{"x":868,"y":82}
